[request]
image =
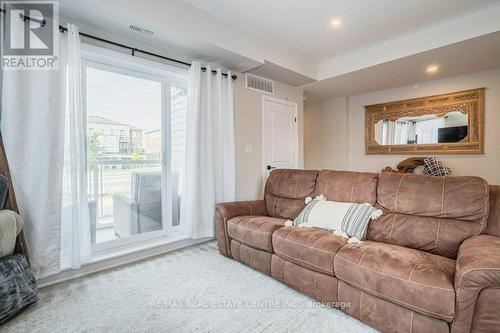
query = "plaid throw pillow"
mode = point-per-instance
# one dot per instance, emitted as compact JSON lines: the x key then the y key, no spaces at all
{"x":434,"y":167}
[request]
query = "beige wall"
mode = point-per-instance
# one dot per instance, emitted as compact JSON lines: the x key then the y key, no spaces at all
{"x":325,"y":134}
{"x":319,"y":120}
{"x":248,"y":131}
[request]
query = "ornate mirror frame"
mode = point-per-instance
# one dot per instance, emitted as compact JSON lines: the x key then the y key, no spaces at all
{"x":469,"y":101}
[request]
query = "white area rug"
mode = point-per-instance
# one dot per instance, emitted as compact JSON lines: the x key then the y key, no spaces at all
{"x":152,"y":295}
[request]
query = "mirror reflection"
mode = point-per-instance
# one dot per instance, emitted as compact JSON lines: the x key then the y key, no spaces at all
{"x":452,"y":127}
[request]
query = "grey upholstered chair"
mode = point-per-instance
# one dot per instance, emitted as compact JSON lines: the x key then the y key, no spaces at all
{"x":142,"y":212}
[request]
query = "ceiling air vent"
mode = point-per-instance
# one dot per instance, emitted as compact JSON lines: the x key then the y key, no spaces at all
{"x":261,"y":84}
{"x":142,"y":31}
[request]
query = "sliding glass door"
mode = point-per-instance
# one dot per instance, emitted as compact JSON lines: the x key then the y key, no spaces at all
{"x":136,"y":116}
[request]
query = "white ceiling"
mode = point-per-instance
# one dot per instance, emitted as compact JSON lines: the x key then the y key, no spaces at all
{"x":169,"y":18}
{"x":381,"y":43}
{"x":303,"y":26}
{"x":473,"y":55}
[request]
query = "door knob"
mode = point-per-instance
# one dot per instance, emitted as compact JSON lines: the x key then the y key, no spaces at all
{"x":270,"y":167}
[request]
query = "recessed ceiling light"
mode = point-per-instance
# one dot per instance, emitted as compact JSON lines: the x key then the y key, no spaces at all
{"x":336,"y":22}
{"x":432,"y":69}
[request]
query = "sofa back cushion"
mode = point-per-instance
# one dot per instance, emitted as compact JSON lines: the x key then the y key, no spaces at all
{"x":493,"y":225}
{"x":432,"y":214}
{"x":347,"y":186}
{"x":286,"y":190}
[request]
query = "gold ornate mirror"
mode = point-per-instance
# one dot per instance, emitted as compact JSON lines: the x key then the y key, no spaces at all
{"x":443,"y":124}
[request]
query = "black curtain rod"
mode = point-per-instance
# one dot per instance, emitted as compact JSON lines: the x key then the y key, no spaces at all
{"x":133,"y":49}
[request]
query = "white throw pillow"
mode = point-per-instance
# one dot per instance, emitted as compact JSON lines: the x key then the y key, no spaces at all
{"x":10,"y":226}
{"x":345,"y":219}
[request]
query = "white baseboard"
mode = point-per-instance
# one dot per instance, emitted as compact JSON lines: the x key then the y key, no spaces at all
{"x":118,"y":260}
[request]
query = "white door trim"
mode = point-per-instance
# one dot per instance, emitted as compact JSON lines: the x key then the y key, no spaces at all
{"x":266,"y":98}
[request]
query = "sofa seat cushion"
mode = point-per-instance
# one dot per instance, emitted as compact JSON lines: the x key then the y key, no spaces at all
{"x":254,"y":231}
{"x":417,"y":280}
{"x":310,"y":248}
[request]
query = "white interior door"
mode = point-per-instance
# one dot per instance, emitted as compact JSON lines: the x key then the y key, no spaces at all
{"x":280,"y":134}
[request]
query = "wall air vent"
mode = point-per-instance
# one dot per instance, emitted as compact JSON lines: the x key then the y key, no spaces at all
{"x":142,"y":30}
{"x":258,"y":83}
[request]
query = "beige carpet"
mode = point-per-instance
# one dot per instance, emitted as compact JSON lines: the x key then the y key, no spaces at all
{"x":190,"y":290}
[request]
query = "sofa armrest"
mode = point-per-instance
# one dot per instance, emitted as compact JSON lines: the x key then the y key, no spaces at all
{"x":125,"y":219}
{"x":226,"y":211}
{"x":478,"y":268}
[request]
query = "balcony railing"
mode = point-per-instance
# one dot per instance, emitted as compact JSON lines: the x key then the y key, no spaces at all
{"x":109,"y":177}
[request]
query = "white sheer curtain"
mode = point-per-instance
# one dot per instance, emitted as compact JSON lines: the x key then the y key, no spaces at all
{"x":413,"y":128}
{"x":385,"y":132}
{"x":210,"y":151}
{"x":379,"y":132}
{"x":402,"y":132}
{"x":32,"y":126}
{"x":75,"y":221}
{"x":427,"y":130}
{"x":391,"y":132}
{"x":388,"y":132}
{"x":33,"y":120}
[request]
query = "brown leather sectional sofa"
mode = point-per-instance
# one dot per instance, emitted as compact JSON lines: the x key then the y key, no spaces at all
{"x":431,"y":263}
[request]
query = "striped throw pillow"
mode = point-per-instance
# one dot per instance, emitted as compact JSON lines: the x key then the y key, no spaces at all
{"x":348,"y":220}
